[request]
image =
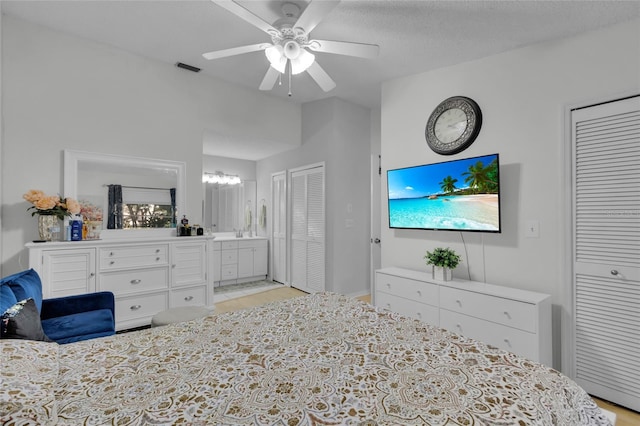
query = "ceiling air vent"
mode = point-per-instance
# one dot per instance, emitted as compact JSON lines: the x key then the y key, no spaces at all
{"x":187,"y":67}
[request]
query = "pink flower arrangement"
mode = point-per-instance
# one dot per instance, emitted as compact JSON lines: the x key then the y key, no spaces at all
{"x":51,"y":205}
{"x":90,"y":212}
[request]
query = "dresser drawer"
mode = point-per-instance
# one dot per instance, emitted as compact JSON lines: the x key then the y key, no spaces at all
{"x":139,"y":307}
{"x":228,"y":257}
{"x":229,"y":245}
{"x":228,"y":272}
{"x":192,"y":296}
{"x":407,"y":288}
{"x":124,"y":282}
{"x":509,"y":312}
{"x":410,"y":308}
{"x":133,"y":257}
{"x":507,"y":338}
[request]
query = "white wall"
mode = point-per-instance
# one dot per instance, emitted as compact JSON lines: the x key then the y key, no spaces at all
{"x":338,"y":133}
{"x":61,"y":92}
{"x":523,"y":95}
{"x":245,"y":169}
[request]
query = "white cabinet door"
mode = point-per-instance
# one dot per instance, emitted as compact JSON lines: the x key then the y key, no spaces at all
{"x":245,"y":262}
{"x":68,"y":272}
{"x":260,"y":260}
{"x":188,"y":263}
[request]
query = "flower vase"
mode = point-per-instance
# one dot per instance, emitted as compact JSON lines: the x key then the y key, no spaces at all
{"x":48,"y":227}
{"x":442,"y":274}
{"x":94,"y":227}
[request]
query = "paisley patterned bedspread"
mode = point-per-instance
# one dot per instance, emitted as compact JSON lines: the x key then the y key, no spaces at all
{"x":322,"y":359}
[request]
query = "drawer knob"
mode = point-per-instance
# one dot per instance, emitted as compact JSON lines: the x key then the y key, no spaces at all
{"x":137,"y":281}
{"x":419,"y":293}
{"x":91,"y":275}
{"x":188,"y":298}
{"x":419,"y":315}
{"x":388,"y":285}
{"x":507,"y":342}
{"x":614,"y":272}
{"x":157,"y":258}
{"x":110,"y":253}
{"x":173,"y":266}
{"x":459,"y":302}
{"x":157,"y":250}
{"x":388,"y":305}
{"x":112,"y":262}
{"x":459,"y":327}
{"x":507,"y":314}
{"x":135,"y":307}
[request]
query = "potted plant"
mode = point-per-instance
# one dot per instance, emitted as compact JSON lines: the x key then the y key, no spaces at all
{"x":443,"y":261}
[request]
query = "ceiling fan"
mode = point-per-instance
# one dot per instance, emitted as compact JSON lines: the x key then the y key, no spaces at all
{"x":288,"y":51}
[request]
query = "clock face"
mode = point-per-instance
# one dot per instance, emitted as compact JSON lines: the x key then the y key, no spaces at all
{"x":450,"y":125}
{"x":453,"y":125}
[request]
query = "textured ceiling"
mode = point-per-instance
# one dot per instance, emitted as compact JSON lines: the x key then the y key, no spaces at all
{"x":414,"y":36}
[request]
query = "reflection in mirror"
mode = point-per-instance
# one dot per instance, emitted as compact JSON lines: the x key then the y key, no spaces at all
{"x":131,"y":207}
{"x":228,"y":208}
{"x":144,"y":181}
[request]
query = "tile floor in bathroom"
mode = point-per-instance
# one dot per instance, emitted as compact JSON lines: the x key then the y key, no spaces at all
{"x":227,"y":292}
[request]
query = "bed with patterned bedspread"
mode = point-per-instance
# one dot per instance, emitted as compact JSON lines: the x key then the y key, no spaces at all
{"x":321,"y":359}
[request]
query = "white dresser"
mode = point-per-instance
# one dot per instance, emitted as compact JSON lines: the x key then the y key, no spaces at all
{"x":146,"y":276}
{"x":515,"y":320}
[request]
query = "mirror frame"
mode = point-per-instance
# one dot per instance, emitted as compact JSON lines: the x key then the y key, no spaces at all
{"x":73,"y":158}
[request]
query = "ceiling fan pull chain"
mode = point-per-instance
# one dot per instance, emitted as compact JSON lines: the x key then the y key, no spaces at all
{"x":289,"y":78}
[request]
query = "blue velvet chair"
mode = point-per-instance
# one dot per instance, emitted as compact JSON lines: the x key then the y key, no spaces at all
{"x":63,"y":319}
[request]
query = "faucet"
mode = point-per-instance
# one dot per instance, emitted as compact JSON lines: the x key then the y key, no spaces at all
{"x":238,"y":233}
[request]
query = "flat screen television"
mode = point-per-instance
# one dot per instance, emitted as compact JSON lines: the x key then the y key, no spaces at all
{"x":457,"y":195}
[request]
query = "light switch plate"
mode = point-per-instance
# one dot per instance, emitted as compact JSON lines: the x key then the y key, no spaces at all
{"x":532,"y":229}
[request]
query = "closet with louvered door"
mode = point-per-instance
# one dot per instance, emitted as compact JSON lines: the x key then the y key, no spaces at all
{"x":606,"y":250}
{"x":307,"y":221}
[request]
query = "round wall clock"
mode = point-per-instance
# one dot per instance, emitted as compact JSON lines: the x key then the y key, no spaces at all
{"x":453,"y":125}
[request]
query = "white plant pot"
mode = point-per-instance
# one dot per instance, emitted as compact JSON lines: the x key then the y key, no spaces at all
{"x":442,"y":274}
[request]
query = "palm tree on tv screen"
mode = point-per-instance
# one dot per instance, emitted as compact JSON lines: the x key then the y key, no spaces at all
{"x":481,"y":178}
{"x":448,"y":184}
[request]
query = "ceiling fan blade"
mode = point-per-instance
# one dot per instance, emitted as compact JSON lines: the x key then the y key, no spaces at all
{"x":269,"y":79}
{"x":321,"y":77}
{"x":235,"y":51}
{"x":361,"y":50}
{"x":314,"y":13}
{"x":247,"y":15}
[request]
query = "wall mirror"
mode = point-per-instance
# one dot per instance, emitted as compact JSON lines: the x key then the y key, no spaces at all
{"x":87,"y":174}
{"x":230,"y":207}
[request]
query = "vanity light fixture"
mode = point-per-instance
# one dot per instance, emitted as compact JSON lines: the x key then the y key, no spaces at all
{"x":221,"y":178}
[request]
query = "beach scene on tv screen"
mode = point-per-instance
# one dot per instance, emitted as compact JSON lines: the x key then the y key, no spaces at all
{"x":454,"y":195}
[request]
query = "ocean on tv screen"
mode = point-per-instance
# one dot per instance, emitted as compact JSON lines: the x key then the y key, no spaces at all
{"x":478,"y":212}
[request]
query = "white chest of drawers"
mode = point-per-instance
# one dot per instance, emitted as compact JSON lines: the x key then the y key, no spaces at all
{"x":515,"y":320}
{"x":145,"y":277}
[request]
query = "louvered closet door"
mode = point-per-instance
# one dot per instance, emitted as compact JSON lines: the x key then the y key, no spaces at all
{"x":308,"y":229}
{"x":279,"y":228}
{"x":606,"y":148}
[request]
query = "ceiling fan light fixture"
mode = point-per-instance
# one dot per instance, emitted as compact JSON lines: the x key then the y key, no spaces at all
{"x":275,"y":55}
{"x":292,"y":50}
{"x":304,"y":60}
